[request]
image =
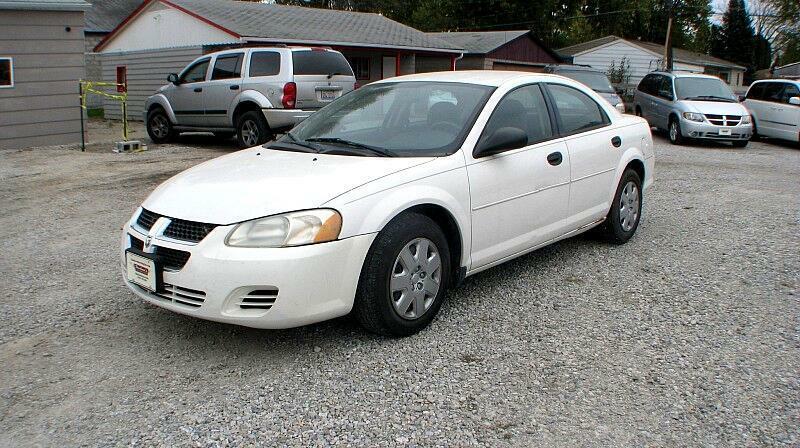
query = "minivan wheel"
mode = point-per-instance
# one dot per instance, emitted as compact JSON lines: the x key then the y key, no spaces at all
{"x":252,"y":130}
{"x":626,"y":210}
{"x":159,"y":128}
{"x":404,"y":277}
{"x":674,"y":131}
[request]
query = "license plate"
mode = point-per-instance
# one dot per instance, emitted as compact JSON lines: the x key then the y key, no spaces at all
{"x":141,"y":271}
{"x":327,"y":95}
{"x":724,"y":132}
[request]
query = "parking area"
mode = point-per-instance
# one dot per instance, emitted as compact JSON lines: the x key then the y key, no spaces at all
{"x":686,"y":336}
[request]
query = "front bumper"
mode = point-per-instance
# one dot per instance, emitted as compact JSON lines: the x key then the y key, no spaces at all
{"x":310,"y":283}
{"x":285,"y":118}
{"x":694,"y":129}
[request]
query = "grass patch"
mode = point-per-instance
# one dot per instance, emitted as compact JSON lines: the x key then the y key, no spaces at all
{"x":95,"y":113}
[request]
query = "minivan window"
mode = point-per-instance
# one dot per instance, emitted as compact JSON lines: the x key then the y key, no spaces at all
{"x":664,"y":88}
{"x":772,"y":92}
{"x":756,"y":91}
{"x":576,"y":110}
{"x":647,"y":85}
{"x":705,"y":89}
{"x":195,"y":72}
{"x":789,"y":91}
{"x":316,"y":62}
{"x":523,"y":108}
{"x":265,"y":63}
{"x":227,"y":66}
{"x":596,"y":81}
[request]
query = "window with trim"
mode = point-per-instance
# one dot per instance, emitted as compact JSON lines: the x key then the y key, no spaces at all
{"x":228,"y":66}
{"x":360,"y":67}
{"x":789,"y":92}
{"x":756,"y":91}
{"x":577,"y":112}
{"x":523,"y":108}
{"x":196,"y":72}
{"x":6,"y":73}
{"x":265,"y":63}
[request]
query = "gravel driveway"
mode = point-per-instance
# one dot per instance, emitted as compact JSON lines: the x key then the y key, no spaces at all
{"x":689,"y":335}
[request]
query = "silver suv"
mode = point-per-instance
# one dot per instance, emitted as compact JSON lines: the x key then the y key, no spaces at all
{"x":252,"y":92}
{"x":690,"y":105}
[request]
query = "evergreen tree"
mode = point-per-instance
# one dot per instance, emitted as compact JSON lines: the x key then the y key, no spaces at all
{"x":738,"y":35}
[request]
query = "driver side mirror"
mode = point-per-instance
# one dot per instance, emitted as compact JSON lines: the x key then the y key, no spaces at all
{"x":173,"y":78}
{"x":501,"y":140}
{"x":795,"y":100}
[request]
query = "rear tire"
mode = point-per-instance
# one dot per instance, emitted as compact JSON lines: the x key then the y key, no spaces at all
{"x":252,"y":130}
{"x":626,"y":210}
{"x":395,"y":295}
{"x":159,"y":128}
{"x":674,"y":132}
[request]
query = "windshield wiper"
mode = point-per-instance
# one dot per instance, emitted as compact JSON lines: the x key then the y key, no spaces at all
{"x":711,"y":97}
{"x":340,"y":141}
{"x":296,"y":141}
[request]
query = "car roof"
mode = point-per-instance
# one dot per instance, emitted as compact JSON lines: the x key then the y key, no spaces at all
{"x":782,"y":80}
{"x":493,"y":78}
{"x":680,"y":74}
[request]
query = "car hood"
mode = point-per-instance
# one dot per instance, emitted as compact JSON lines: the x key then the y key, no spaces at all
{"x":260,"y":182}
{"x":715,"y":107}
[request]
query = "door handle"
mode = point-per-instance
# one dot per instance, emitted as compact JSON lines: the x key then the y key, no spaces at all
{"x":554,"y":158}
{"x":198,"y":89}
{"x":616,"y":141}
{"x":234,"y":87}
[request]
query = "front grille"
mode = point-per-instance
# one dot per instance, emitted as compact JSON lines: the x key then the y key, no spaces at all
{"x":183,"y":296}
{"x":724,"y":120}
{"x":261,"y":299}
{"x":180,"y":229}
{"x":146,"y":219}
{"x":171,"y":259}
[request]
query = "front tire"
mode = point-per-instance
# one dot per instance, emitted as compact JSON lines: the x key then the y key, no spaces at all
{"x":674,"y":132}
{"x":404,"y":277}
{"x":626,"y":210}
{"x":159,"y":128}
{"x":252,"y":130}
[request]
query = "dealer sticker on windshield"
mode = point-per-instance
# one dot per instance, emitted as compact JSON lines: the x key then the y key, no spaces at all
{"x":141,"y":270}
{"x":725,"y":131}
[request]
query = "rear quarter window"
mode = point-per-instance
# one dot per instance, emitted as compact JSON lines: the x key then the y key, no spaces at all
{"x":265,"y":63}
{"x":314,"y":62}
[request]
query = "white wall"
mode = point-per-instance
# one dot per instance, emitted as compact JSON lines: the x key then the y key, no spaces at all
{"x":161,"y":26}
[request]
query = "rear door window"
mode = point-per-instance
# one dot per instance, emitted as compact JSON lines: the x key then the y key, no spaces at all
{"x":772,"y":92}
{"x":265,"y":63}
{"x":523,"y":108}
{"x":577,"y":112}
{"x":316,"y":62}
{"x":228,"y":66}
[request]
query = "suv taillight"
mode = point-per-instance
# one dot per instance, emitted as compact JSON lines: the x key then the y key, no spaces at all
{"x":289,"y":95}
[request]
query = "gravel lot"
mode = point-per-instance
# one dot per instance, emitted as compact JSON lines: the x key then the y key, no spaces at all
{"x":689,"y":335}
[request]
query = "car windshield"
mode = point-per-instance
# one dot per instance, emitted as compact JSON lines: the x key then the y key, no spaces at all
{"x":596,"y":81}
{"x":403,"y":119}
{"x":704,"y":89}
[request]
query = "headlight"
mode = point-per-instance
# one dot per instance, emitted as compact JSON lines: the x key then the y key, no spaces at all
{"x":620,"y":107}
{"x":746,"y":119}
{"x":693,"y":116}
{"x":288,"y":229}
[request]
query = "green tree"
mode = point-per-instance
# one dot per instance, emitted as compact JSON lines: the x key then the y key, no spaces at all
{"x":737,"y":35}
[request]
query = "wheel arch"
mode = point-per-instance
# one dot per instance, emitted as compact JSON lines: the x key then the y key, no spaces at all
{"x":246,"y":101}
{"x":242,"y":108}
{"x":452,"y":232}
{"x":160,"y":101}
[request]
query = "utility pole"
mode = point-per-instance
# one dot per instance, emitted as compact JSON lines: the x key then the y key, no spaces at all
{"x":668,"y":40}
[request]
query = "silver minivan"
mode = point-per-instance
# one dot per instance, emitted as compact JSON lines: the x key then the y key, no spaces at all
{"x":692,"y":106}
{"x":250,"y":92}
{"x":775,"y":106}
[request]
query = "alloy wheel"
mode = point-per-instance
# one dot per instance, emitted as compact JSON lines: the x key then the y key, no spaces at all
{"x":415,"y":278}
{"x":673,"y":131}
{"x":250,"y":133}
{"x":159,"y":126}
{"x":629,"y":206}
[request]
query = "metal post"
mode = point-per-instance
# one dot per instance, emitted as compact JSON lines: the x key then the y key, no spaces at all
{"x":125,"y":118}
{"x":80,"y":100}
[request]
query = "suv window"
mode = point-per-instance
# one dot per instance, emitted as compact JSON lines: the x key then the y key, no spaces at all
{"x":196,"y":72}
{"x":789,"y":91}
{"x":265,"y":63}
{"x":756,"y":91}
{"x":577,"y":112}
{"x":522,"y":108}
{"x":772,"y":92}
{"x":316,"y":62}
{"x":228,"y":66}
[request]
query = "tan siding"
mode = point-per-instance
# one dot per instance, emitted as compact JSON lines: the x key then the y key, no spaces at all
{"x":42,"y":107}
{"x":147,"y":71}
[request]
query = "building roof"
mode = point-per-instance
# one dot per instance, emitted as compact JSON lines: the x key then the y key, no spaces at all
{"x":267,"y":22}
{"x":678,"y":54}
{"x":479,"y":42}
{"x":45,"y":5}
{"x":105,"y":15}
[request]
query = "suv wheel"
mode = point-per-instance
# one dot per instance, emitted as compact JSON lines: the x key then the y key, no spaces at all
{"x":252,"y":130}
{"x":159,"y":128}
{"x":674,"y":132}
{"x":404,"y":277}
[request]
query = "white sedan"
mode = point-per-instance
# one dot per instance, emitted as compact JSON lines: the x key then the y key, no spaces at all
{"x":379,"y":202}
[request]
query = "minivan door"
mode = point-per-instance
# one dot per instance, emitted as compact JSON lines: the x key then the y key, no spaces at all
{"x":785,"y":115}
{"x":321,"y":76}
{"x":222,"y":88}
{"x":662,"y":102}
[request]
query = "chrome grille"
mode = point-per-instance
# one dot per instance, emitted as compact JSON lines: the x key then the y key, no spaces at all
{"x":724,"y":120}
